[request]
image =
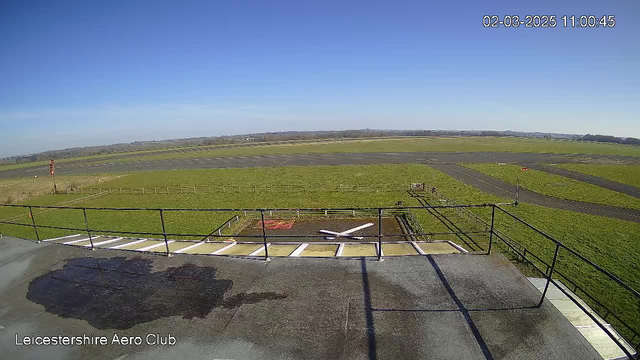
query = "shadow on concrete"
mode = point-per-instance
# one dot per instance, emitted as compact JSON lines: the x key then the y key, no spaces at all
{"x":462,"y":309}
{"x":371,"y":332}
{"x":119,"y":293}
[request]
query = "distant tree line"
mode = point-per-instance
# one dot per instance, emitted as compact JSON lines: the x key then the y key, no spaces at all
{"x":611,"y":139}
{"x":293,"y":136}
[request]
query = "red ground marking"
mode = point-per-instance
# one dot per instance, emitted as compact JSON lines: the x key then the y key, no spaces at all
{"x":276,"y":224}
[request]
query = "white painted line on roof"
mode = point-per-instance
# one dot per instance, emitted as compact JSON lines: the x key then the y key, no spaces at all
{"x":189,"y":247}
{"x":418,"y":248}
{"x":61,"y":237}
{"x":125,"y":244}
{"x":340,"y":249}
{"x":105,"y":242}
{"x":223,"y":249}
{"x":457,"y":246}
{"x":74,"y":241}
{"x":155,"y":245}
{"x":299,"y":250}
{"x":255,"y":253}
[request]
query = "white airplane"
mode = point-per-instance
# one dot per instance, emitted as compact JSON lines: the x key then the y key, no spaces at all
{"x":345,"y":233}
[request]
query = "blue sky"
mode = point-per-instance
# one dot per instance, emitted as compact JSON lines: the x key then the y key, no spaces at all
{"x":78,"y":73}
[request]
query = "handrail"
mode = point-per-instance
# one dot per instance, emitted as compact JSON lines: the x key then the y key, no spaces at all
{"x":580,"y":256}
{"x":254,"y":209}
{"x":373,"y":211}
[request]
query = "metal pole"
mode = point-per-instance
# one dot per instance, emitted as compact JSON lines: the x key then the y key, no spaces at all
{"x":86,"y":223}
{"x":493,"y":215}
{"x":517,"y":188}
{"x":264,"y":237}
{"x":553,"y":265}
{"x":164,"y":232}
{"x":379,"y":234}
{"x":33,"y":221}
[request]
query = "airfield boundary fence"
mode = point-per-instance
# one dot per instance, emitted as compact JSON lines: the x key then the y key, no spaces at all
{"x":240,"y":188}
{"x":550,"y":268}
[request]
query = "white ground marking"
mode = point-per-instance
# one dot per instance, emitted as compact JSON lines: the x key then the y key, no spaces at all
{"x":457,"y":247}
{"x":105,"y":242}
{"x":418,"y":248}
{"x":223,"y":249}
{"x":189,"y":247}
{"x":62,"y":237}
{"x":346,"y":233}
{"x":255,"y":253}
{"x":155,"y":245}
{"x":340,"y":249}
{"x":130,"y":243}
{"x":299,"y":250}
{"x":74,"y":241}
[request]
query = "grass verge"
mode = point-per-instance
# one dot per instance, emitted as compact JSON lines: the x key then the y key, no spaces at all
{"x":610,"y":243}
{"x":626,"y":174}
{"x":556,"y":185}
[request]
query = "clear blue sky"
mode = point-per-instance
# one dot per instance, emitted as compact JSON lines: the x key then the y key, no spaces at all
{"x":77,"y":73}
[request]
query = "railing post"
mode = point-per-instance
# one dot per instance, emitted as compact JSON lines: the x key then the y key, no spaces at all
{"x":86,"y":223}
{"x":553,"y":266}
{"x":264,"y":237}
{"x":164,"y":232}
{"x":493,"y":216}
{"x":379,"y":234}
{"x":33,"y":221}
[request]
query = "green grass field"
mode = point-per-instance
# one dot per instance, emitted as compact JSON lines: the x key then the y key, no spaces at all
{"x":626,"y":174}
{"x":556,"y":185}
{"x":430,"y":144}
{"x":608,"y":242}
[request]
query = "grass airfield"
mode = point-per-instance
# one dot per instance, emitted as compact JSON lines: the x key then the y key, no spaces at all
{"x":612,"y":244}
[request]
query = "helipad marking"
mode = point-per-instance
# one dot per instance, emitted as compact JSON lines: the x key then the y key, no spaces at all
{"x":126,"y":244}
{"x":74,"y":241}
{"x":259,"y":250}
{"x":154,"y":246}
{"x":104,"y":242}
{"x":62,"y":237}
{"x":299,"y":250}
{"x":189,"y":247}
{"x":223,"y":249}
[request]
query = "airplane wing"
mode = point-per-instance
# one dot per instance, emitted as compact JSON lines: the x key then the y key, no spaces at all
{"x":329,"y":232}
{"x":355,"y":229}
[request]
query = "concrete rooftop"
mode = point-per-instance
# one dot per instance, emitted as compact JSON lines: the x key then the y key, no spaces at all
{"x":457,"y":306}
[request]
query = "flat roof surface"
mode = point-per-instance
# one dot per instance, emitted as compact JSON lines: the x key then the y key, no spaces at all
{"x":449,"y":306}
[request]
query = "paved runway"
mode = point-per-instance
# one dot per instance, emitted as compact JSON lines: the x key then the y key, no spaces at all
{"x":73,"y":168}
{"x":498,"y":187}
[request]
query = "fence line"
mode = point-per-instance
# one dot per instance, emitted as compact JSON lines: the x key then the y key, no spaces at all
{"x":380,"y":211}
{"x":202,"y":189}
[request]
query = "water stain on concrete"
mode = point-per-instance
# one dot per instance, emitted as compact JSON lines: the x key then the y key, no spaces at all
{"x":119,"y":293}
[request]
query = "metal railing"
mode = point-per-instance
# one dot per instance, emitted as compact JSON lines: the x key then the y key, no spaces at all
{"x":378,"y":212}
